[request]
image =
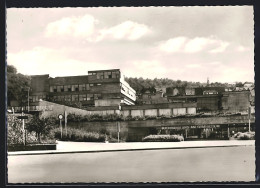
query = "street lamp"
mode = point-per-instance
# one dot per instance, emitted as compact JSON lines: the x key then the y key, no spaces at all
{"x":28,"y":99}
{"x":28,"y":90}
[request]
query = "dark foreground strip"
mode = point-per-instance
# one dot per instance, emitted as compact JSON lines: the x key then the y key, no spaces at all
{"x":139,"y":149}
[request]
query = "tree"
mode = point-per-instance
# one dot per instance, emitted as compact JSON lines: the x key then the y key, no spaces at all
{"x":239,"y":84}
{"x":40,"y":126}
{"x":16,"y":84}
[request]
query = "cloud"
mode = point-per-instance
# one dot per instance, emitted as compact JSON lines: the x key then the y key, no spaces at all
{"x":198,"y":44}
{"x":127,"y":30}
{"x":72,"y":26}
{"x":193,"y":66}
{"x":173,"y":45}
{"x":242,"y":49}
{"x":85,"y":27}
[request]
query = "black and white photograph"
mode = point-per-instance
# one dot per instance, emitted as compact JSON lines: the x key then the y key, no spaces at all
{"x":130,"y":94}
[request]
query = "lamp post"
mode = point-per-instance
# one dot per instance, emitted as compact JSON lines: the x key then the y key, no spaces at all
{"x":28,"y":99}
{"x":249,"y":116}
{"x":118,"y":126}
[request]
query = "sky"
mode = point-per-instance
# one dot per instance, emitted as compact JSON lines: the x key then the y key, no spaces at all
{"x":185,"y":43}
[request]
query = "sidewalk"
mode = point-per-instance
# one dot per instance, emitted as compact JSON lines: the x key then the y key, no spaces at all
{"x":90,"y":147}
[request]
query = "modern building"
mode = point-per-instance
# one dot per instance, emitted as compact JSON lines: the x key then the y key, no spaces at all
{"x":215,"y":99}
{"x":98,"y":88}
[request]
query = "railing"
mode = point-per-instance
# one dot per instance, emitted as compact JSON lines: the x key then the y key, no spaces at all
{"x":31,"y":108}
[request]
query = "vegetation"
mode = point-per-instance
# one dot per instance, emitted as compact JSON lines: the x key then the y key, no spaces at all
{"x":17,"y":85}
{"x":78,"y":135}
{"x":245,"y":136}
{"x":15,"y":132}
{"x":141,"y":84}
{"x":40,"y":126}
{"x":163,"y":138}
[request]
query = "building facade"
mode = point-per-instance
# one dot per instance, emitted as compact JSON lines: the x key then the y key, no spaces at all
{"x":98,"y":88}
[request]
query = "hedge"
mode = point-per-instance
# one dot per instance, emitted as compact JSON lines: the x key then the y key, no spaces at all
{"x":77,"y":135}
{"x":163,"y":138}
{"x":245,"y":136}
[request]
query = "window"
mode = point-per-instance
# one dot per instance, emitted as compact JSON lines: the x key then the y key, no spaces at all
{"x":90,"y":97}
{"x":65,"y":88}
{"x":113,"y":74}
{"x":30,"y":98}
{"x":109,"y":74}
{"x":94,"y":73}
{"x":91,"y":85}
{"x":69,"y":87}
{"x":67,"y":97}
{"x":82,"y":97}
{"x":59,"y":88}
{"x":99,"y":84}
{"x":87,"y":86}
{"x":90,"y":73}
{"x":82,"y":87}
{"x":75,"y":97}
{"x":51,"y":88}
{"x":60,"y":98}
{"x":54,"y":88}
{"x":117,"y":74}
{"x":75,"y":88}
{"x":105,"y":75}
{"x":55,"y":98}
{"x":100,"y":75}
{"x":62,"y":89}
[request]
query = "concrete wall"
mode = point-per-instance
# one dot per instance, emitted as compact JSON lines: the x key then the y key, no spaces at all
{"x":236,"y":101}
{"x":136,"y":130}
{"x":151,"y":112}
{"x":107,"y":102}
{"x":53,"y":109}
{"x":57,"y":109}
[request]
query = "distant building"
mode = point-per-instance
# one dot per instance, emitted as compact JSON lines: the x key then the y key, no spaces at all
{"x":152,"y":98}
{"x":98,"y":88}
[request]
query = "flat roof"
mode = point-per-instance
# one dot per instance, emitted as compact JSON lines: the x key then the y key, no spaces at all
{"x":104,"y":70}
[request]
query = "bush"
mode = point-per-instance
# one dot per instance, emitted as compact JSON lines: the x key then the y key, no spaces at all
{"x":15,"y":133}
{"x":77,"y":135}
{"x":245,"y":136}
{"x":163,"y":138}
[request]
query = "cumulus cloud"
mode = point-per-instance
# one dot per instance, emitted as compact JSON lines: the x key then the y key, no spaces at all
{"x":72,"y":26}
{"x":198,"y":44}
{"x":85,"y":27}
{"x":127,"y":30}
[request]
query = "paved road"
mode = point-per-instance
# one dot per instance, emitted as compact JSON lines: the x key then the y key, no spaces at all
{"x":171,"y":165}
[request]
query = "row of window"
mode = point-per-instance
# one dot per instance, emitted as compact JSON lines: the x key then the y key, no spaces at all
{"x":85,"y":97}
{"x":75,"y":87}
{"x":106,"y":75}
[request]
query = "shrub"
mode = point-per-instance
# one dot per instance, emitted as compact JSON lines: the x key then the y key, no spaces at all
{"x":77,"y":135}
{"x":163,"y":138}
{"x":246,"y":136}
{"x":15,"y":133}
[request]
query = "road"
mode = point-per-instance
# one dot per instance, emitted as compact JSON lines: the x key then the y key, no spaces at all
{"x":167,"y":165}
